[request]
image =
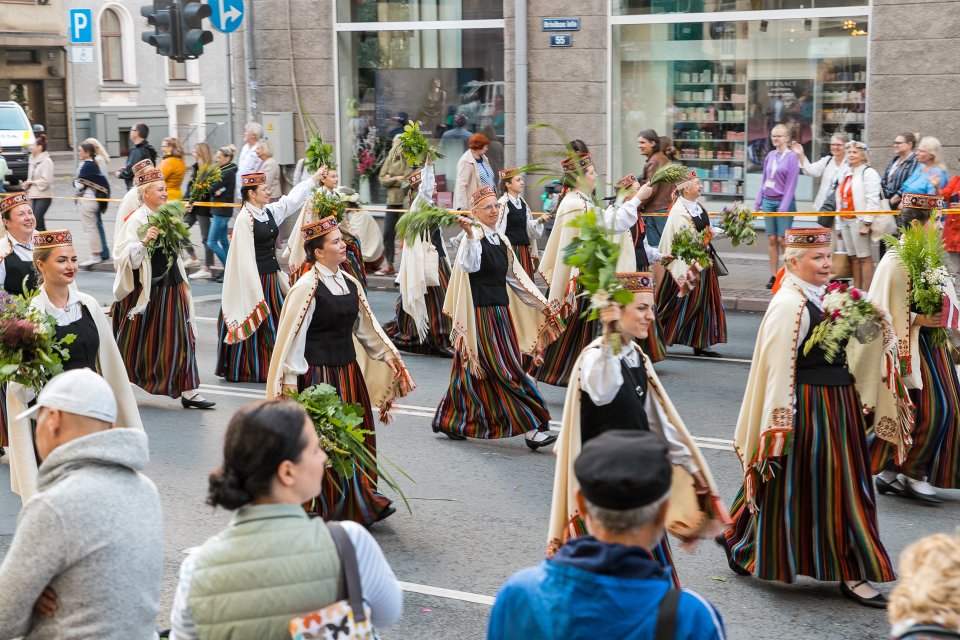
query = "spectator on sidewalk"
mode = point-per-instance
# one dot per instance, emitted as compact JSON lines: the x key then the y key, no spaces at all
{"x":101,"y":156}
{"x":951,"y":226}
{"x":930,"y":174}
{"x":39,"y":183}
{"x":661,"y":196}
{"x":173,"y":167}
{"x":269,"y":166}
{"x":858,"y":189}
{"x":926,"y":602}
{"x":218,"y":239}
{"x":272,"y":464}
{"x":608,"y":584}
{"x":825,"y":168}
{"x":142,"y":150}
{"x":393,"y":175}
{"x":899,"y":168}
{"x":778,"y":186}
{"x":92,"y":185}
{"x":247,"y":161}
{"x":473,"y":171}
{"x":199,"y":214}
{"x":87,"y":556}
{"x":459,"y":131}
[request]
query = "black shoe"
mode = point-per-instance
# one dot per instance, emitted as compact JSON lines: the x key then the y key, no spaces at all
{"x":196,"y":404}
{"x":884,"y":487}
{"x":737,"y":569}
{"x":706,"y":353}
{"x":878,"y":601}
{"x":926,"y":498}
{"x":546,"y":442}
{"x":770,"y":284}
{"x":452,"y":436}
{"x":386,"y":513}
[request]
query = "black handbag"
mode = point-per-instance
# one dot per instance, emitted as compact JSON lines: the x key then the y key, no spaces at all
{"x":829,"y":206}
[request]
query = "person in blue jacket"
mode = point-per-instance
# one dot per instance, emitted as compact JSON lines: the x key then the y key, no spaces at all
{"x":608,"y":584}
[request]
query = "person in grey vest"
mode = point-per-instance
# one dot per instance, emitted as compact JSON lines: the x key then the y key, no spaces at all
{"x":87,"y":557}
{"x":272,"y":464}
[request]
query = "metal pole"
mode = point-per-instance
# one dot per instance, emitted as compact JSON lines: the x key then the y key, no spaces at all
{"x":250,"y":65}
{"x":230,"y":137}
{"x":520,"y":79}
{"x":71,"y":98}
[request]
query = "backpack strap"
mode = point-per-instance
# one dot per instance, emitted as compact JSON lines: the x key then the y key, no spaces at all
{"x":349,"y":571}
{"x":666,"y":628}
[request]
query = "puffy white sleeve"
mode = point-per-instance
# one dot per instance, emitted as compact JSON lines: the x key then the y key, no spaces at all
{"x":622,"y":217}
{"x":291,"y":203}
{"x":469,"y":254}
{"x":601,"y":375}
{"x":138,"y":252}
{"x":677,"y":450}
{"x":295,"y":363}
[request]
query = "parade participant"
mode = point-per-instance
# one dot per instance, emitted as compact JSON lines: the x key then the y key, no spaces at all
{"x":621,"y":391}
{"x":490,"y":395}
{"x":130,"y":201}
{"x":516,"y":222}
{"x":153,"y":318}
{"x":16,"y":244}
{"x":623,"y":491}
{"x":806,"y":506}
{"x":420,"y":325}
{"x":343,"y":346}
{"x":364,"y":228}
{"x":934,"y":459}
{"x":93,"y":347}
{"x":579,"y":180}
{"x":253,"y":285}
{"x":689,"y":304}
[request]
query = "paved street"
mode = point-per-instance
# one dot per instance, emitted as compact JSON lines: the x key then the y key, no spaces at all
{"x":480,"y":509}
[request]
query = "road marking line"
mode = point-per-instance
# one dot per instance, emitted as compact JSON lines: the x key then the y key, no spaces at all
{"x":447,"y":593}
{"x":720,"y":360}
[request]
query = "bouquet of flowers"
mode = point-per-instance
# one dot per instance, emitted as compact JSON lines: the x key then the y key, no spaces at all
{"x":174,"y":233}
{"x":207,"y":175}
{"x":414,"y":145}
{"x":921,"y":251}
{"x":424,"y":219}
{"x":323,"y":203}
{"x":848,"y":314}
{"x":672,"y":173}
{"x":341,"y":435}
{"x":594,"y":253}
{"x":365,"y":157}
{"x":366,"y":162}
{"x":737,"y":221}
{"x":30,"y":352}
{"x":691,"y":247}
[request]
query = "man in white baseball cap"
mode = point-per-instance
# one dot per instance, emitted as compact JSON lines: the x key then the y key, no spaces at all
{"x":87,"y":557}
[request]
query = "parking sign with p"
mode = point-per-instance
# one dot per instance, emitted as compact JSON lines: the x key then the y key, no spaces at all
{"x":81,"y":26}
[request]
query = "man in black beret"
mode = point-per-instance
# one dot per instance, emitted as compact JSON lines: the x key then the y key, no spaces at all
{"x":607,"y":584}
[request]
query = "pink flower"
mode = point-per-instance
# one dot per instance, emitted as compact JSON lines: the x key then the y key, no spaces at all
{"x":836,"y":314}
{"x":855,"y":294}
{"x":15,"y":333}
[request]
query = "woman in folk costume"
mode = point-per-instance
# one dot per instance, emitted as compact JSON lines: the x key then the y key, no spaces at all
{"x":130,"y":202}
{"x":934,"y":458}
{"x":621,"y":391}
{"x":497,"y":312}
{"x":806,"y":506}
{"x":253,"y":285}
{"x":364,"y":228}
{"x":516,"y":222}
{"x":689,"y":301}
{"x":328,"y":334}
{"x":153,"y":318}
{"x":579,"y":180}
{"x":93,"y":347}
{"x":420,"y":325}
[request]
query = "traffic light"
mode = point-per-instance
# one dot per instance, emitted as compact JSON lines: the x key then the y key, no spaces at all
{"x":192,"y":34}
{"x":162,"y":17}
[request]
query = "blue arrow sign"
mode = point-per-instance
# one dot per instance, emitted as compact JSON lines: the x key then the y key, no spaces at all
{"x":81,"y":26}
{"x":226,"y":15}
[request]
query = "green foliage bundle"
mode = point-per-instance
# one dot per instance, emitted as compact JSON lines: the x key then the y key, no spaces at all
{"x":422,"y":219}
{"x":737,"y":221}
{"x":318,"y":154}
{"x":207,"y":176}
{"x":691,"y":247}
{"x":174,"y":233}
{"x":323,"y":203}
{"x":921,"y":251}
{"x":414,"y":145}
{"x":672,"y":173}
{"x":30,"y":352}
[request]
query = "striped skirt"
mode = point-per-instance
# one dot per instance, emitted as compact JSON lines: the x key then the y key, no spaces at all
{"x":561,"y":354}
{"x":355,"y":498}
{"x":817,"y":516}
{"x":653,"y":346}
{"x":403,"y":331}
{"x":527,"y":262}
{"x":503,"y":402}
{"x":354,"y":262}
{"x":248,"y":361}
{"x":4,"y":437}
{"x":697,"y":319}
{"x":158,"y":346}
{"x":935,"y":453}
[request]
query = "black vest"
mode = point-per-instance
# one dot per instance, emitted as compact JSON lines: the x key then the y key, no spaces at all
{"x":489,"y":284}
{"x":701,"y":221}
{"x":626,"y":411}
{"x":265,"y":243}
{"x":158,"y":264}
{"x":638,"y":232}
{"x":83,"y":350}
{"x":17,"y":270}
{"x":330,"y":334}
{"x":516,"y":230}
{"x":813,"y":368}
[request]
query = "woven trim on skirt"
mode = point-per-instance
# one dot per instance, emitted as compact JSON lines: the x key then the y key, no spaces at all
{"x":504,"y":402}
{"x":158,"y":346}
{"x":403,"y":331}
{"x":817,"y":516}
{"x":354,"y":263}
{"x":355,"y":498}
{"x":697,"y":319}
{"x":527,"y":262}
{"x":561,"y":354}
{"x":935,"y":453}
{"x":248,"y":360}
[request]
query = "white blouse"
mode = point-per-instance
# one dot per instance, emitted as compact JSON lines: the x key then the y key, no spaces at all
{"x":469,"y":260}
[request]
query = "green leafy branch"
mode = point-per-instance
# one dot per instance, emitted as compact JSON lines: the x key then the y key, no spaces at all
{"x":174,"y":234}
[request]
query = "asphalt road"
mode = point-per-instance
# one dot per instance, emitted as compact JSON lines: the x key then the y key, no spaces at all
{"x":480,"y":509}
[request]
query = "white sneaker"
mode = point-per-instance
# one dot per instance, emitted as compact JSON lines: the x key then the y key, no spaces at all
{"x":191,"y":263}
{"x":201,"y":274}
{"x":89,"y":262}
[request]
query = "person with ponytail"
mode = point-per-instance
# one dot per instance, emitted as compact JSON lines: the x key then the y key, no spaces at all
{"x":273,"y":562}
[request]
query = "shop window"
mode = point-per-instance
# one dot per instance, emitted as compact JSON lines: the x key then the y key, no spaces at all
{"x":111,"y":46}
{"x":717,"y":90}
{"x":22,"y":56}
{"x":653,"y":7}
{"x":417,"y":10}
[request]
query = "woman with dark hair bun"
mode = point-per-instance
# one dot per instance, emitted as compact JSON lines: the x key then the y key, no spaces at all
{"x":272,"y":463}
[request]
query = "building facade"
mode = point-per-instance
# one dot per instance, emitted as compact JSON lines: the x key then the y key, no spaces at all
{"x":714,"y":76}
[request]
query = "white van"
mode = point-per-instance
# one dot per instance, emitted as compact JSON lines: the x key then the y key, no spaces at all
{"x":16,"y":138}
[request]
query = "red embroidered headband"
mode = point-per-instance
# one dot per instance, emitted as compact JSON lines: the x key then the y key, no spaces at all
{"x":638,"y":282}
{"x":153,"y":175}
{"x":319,"y":228}
{"x":143,"y":165}
{"x":480,"y":194}
{"x":807,"y":238}
{"x":13,"y":201}
{"x":508,"y":174}
{"x":577,"y":164}
{"x":50,"y":239}
{"x":253,"y":179}
{"x":922,"y":201}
